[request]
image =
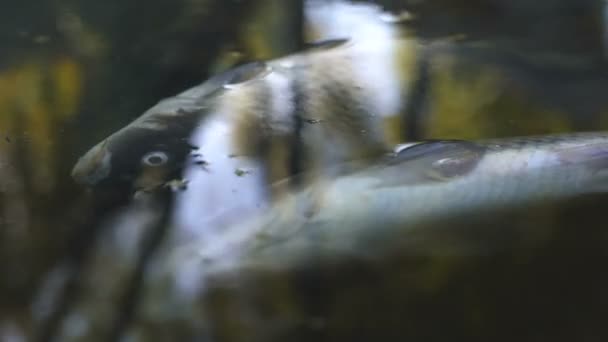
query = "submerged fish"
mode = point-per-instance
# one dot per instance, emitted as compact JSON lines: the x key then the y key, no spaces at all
{"x":311,"y":109}
{"x":418,"y":202}
{"x":391,"y":205}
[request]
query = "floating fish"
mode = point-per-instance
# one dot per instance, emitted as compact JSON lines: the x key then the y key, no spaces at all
{"x":391,"y":205}
{"x":227,"y":140}
{"x":326,"y":104}
{"x":152,"y":150}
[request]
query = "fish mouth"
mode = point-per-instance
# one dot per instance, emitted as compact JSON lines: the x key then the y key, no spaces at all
{"x":94,"y":166}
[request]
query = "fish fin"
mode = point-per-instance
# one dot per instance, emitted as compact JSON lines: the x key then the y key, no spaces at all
{"x":325,"y":44}
{"x":244,"y":73}
{"x":431,"y":161}
{"x":227,"y":79}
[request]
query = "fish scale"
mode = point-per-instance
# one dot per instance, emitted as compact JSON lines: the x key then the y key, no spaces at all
{"x":357,"y":215}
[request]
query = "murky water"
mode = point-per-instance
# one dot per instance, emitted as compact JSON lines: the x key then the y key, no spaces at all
{"x":214,"y":249}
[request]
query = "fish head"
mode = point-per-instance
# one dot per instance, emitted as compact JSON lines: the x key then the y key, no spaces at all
{"x":154,"y":149}
{"x":140,"y":156}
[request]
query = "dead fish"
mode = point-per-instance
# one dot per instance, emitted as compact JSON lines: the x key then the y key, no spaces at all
{"x":385,"y":205}
{"x":346,"y":84}
{"x":152,"y":150}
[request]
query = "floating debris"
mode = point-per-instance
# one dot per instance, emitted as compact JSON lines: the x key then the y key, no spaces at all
{"x":203,"y":164}
{"x":313,"y":121}
{"x":177,"y":184}
{"x":241,"y":172}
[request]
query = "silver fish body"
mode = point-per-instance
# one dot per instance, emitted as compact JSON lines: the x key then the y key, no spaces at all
{"x":394,"y":204}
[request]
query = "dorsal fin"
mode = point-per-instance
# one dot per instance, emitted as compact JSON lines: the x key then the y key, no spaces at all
{"x":326,"y":44}
{"x":241,"y":74}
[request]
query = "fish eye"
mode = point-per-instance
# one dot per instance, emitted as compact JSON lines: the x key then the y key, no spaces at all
{"x":156,"y":158}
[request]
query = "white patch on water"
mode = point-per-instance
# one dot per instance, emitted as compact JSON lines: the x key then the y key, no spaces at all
{"x":226,"y":191}
{"x":218,"y":195}
{"x":373,"y":47}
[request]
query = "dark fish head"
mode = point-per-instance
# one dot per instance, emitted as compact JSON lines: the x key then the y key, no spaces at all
{"x":155,"y":148}
{"x":138,"y":157}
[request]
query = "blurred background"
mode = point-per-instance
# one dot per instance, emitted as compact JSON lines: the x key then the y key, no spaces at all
{"x":72,"y":72}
